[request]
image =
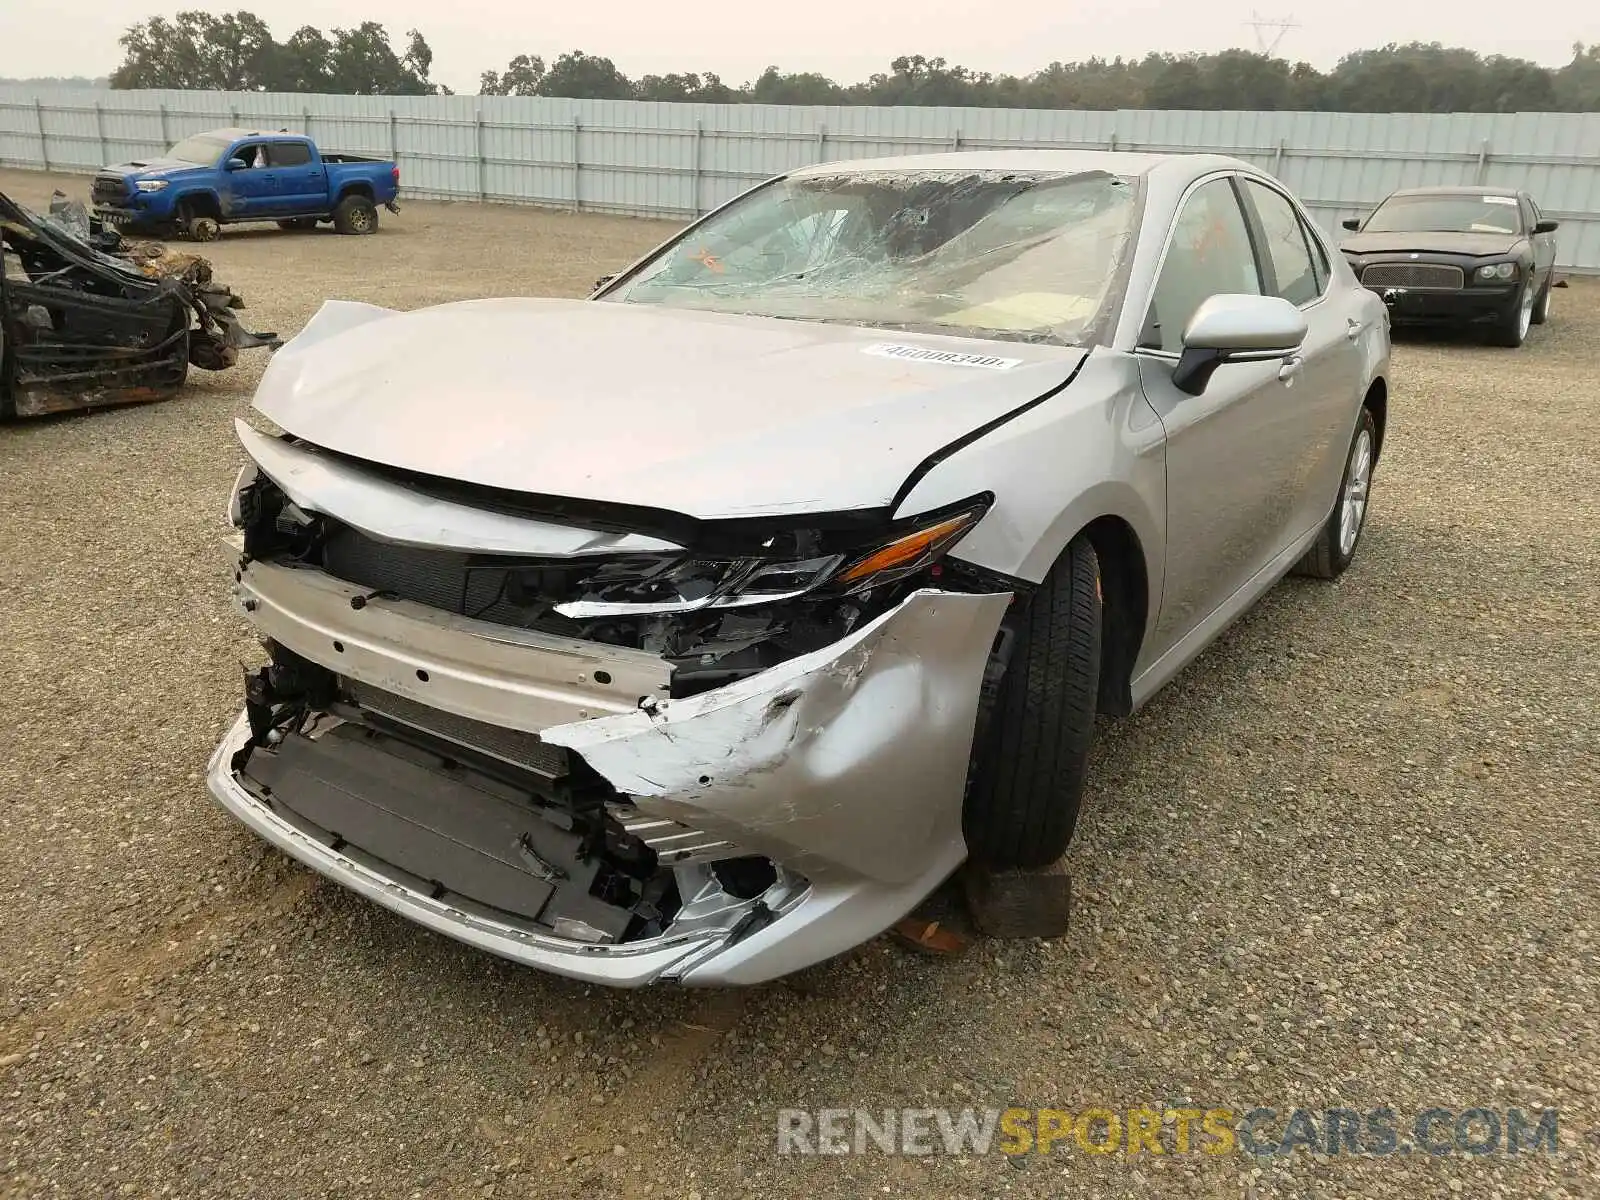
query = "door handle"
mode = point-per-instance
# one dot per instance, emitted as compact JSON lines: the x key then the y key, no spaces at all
{"x":1353,"y":328}
{"x":1290,"y":370}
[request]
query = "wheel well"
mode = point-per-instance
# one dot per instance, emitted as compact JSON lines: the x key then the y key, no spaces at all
{"x":1125,"y":591}
{"x":355,"y":189}
{"x":199,"y":204}
{"x":1377,"y":402}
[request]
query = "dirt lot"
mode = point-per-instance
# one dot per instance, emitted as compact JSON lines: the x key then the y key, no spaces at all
{"x":1349,"y":859}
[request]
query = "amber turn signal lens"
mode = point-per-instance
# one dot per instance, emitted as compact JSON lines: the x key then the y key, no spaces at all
{"x":905,"y":550}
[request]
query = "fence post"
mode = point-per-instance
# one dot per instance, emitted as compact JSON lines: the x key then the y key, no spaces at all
{"x":394,"y":137}
{"x":1277,"y":157}
{"x":822,"y":143}
{"x":483,"y":176}
{"x":307,"y":131}
{"x":699,"y":139}
{"x":577,"y":166}
{"x":1111,"y":142}
{"x":955,"y":140}
{"x":166,"y":136}
{"x":233,"y":114}
{"x":100,"y":131}
{"x":44,"y":141}
{"x":1483,"y":161}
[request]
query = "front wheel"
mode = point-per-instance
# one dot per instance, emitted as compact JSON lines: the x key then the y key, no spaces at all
{"x":1541,"y":307}
{"x":1032,"y":758}
{"x":1513,"y":328}
{"x":203,"y":229}
{"x":1336,"y":545}
{"x":355,"y":214}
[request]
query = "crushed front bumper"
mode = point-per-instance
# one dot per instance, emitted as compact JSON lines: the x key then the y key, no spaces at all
{"x":846,"y":767}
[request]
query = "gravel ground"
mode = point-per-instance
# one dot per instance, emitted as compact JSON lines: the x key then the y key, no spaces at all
{"x":1348,"y":859}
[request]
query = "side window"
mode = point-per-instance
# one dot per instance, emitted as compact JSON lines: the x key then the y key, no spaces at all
{"x":1287,"y":247}
{"x":289,"y":154}
{"x":1209,"y":255}
{"x":254,"y":155}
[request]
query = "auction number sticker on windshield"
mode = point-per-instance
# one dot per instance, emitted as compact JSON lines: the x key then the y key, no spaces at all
{"x":948,"y":358}
{"x":1511,"y":200}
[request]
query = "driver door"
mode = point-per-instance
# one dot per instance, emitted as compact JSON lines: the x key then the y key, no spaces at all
{"x":249,"y":192}
{"x":1232,"y":450}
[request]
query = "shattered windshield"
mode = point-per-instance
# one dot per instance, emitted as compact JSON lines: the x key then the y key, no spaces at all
{"x":1025,"y":256}
{"x":203,"y":151}
{"x":1445,"y":213}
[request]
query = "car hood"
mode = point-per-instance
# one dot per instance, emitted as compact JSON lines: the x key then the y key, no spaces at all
{"x":709,"y":415}
{"x":151,"y":167}
{"x":1477,"y":245}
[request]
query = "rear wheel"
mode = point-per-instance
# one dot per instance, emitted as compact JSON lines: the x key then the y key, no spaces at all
{"x":356,"y":214}
{"x":1336,"y":545}
{"x":1023,"y":804}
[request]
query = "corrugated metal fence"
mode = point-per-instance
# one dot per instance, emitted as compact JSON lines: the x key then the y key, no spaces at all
{"x":678,"y":160}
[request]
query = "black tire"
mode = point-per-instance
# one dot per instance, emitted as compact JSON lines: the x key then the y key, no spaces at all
{"x":1512,"y":328}
{"x":1328,"y":557}
{"x":1022,"y":807}
{"x":356,"y":214}
{"x":203,"y":229}
{"x":298,"y":224}
{"x":1541,"y":304}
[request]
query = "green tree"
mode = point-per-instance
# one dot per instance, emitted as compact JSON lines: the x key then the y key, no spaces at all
{"x":586,"y":77}
{"x":522,"y":77}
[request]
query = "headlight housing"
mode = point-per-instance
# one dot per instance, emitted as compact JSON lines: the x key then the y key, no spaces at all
{"x":150,"y":185}
{"x":1496,"y":272}
{"x":692,"y":584}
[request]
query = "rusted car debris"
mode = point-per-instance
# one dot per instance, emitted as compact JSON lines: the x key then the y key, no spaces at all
{"x":90,"y":321}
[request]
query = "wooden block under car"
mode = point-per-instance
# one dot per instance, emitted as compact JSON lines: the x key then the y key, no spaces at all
{"x":1018,"y":903}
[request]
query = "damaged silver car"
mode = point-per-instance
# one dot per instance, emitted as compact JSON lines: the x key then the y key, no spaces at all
{"x":88,"y":321}
{"x":698,"y":630}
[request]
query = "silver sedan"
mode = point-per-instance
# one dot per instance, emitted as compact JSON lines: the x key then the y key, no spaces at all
{"x":698,"y":630}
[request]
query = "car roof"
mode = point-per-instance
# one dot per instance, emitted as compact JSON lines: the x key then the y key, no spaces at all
{"x":1116,"y":162}
{"x":1459,"y":190}
{"x":233,"y":133}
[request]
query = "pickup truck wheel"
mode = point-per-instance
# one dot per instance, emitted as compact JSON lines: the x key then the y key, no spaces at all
{"x":298,"y":223}
{"x":356,"y":214}
{"x":1336,"y":545}
{"x":203,"y":229}
{"x":1023,"y":804}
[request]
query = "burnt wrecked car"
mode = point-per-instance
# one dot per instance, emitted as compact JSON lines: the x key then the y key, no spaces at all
{"x":1482,"y":258}
{"x":698,"y":630}
{"x":89,"y":322}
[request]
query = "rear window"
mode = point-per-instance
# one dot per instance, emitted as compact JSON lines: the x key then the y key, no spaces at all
{"x":289,"y":154}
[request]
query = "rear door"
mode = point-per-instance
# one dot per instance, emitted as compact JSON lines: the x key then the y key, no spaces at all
{"x":302,"y":180}
{"x":1320,"y":402}
{"x":1232,"y":451}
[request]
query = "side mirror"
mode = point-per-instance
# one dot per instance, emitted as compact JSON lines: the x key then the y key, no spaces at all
{"x":1353,"y":224}
{"x":1546,"y":226}
{"x":1232,"y":329}
{"x":238,"y":164}
{"x":602,"y":281}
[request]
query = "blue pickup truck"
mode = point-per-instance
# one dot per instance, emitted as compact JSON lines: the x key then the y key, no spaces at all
{"x":229,"y":176}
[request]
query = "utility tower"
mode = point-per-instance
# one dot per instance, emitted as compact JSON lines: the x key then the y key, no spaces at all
{"x":1270,"y":31}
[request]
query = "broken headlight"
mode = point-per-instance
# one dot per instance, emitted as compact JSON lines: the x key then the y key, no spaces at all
{"x":688,"y":585}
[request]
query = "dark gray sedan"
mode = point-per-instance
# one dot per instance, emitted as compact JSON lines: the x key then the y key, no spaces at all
{"x":1479,"y":256}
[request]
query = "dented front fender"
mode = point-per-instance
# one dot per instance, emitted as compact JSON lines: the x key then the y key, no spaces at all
{"x":848,"y":762}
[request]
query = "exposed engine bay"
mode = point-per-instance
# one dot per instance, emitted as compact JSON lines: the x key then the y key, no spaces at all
{"x":490,"y":818}
{"x":87,"y":321}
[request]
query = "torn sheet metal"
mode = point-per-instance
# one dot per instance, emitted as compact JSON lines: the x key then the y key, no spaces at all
{"x":848,"y":761}
{"x":85,"y":325}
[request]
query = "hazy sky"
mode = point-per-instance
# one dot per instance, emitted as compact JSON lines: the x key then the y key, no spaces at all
{"x":846,"y":39}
